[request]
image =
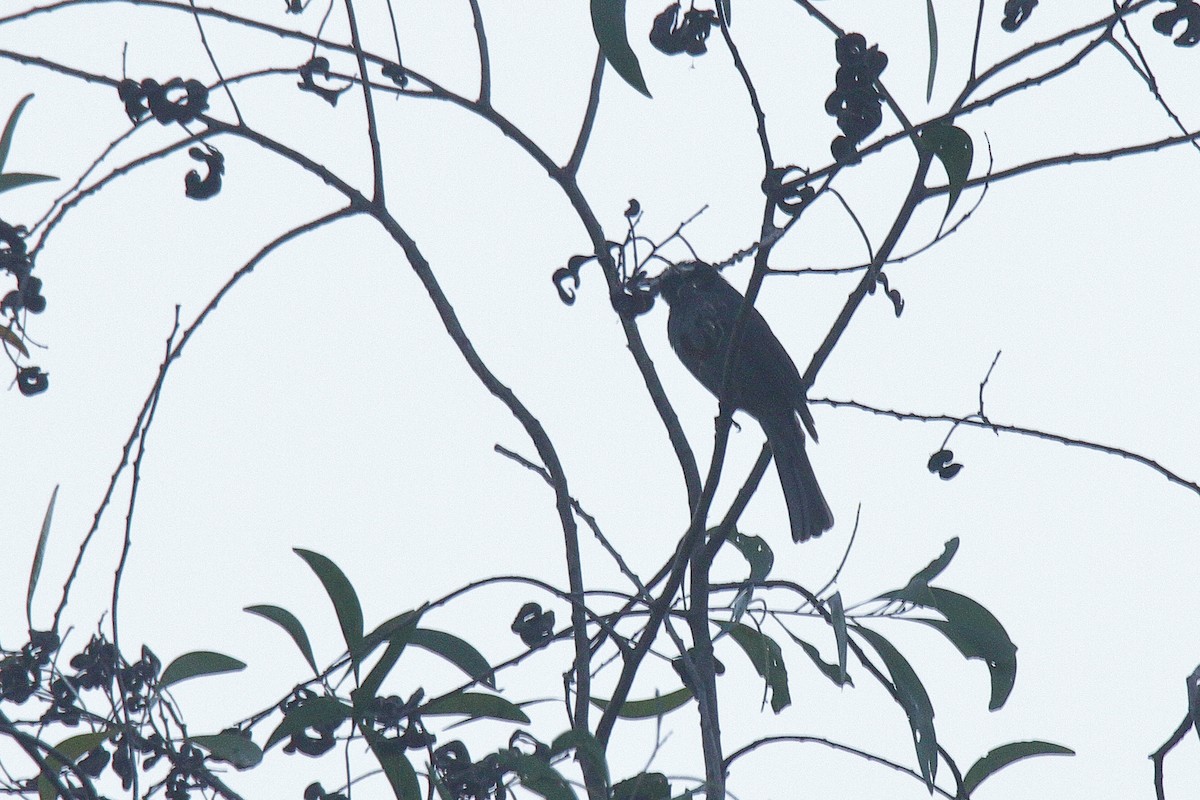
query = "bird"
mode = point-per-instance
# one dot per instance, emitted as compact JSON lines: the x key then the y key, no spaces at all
{"x":764,"y":381}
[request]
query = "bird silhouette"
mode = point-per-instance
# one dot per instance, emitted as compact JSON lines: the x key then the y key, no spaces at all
{"x":764,"y":382}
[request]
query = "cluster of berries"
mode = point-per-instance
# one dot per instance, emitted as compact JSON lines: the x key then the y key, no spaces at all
{"x":855,"y":100}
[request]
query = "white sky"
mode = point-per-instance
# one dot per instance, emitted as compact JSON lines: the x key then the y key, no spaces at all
{"x":323,"y":406}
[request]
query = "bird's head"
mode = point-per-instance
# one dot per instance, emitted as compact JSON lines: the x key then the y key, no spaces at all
{"x":685,"y":274}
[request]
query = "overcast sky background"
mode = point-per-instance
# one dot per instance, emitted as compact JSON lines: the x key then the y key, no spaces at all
{"x":324,"y":407}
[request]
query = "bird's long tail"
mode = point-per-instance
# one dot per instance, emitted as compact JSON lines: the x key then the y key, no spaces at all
{"x":809,"y":513}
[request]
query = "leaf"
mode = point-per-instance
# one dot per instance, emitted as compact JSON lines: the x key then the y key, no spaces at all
{"x":70,"y":748}
{"x":643,"y":786}
{"x":475,"y":705}
{"x":39,"y":553}
{"x":536,"y":775}
{"x":977,"y":634}
{"x":1004,"y":755}
{"x":342,"y":595}
{"x":586,"y":747}
{"x":918,"y":584}
{"x":10,"y":128}
{"x":316,"y":712}
{"x":651,"y":708}
{"x":234,"y":748}
{"x":288,"y":621}
{"x":1193,"y":687}
{"x":913,"y":698}
{"x":367,"y":690}
{"x":953,"y":147}
{"x":608,"y":23}
{"x":10,"y":336}
{"x":15,"y":180}
{"x":838,"y":620}
{"x":196,"y":664}
{"x":767,"y":658}
{"x":457,"y":651}
{"x":757,"y":552}
{"x":933,"y":49}
{"x":395,"y":765}
{"x":834,"y":672}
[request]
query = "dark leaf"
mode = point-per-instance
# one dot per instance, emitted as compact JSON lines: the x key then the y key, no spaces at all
{"x":458,"y":652}
{"x":918,"y":585}
{"x":586,"y":749}
{"x":952,"y":146}
{"x":837,"y":614}
{"x":913,"y":698}
{"x":10,"y":336}
{"x":757,"y":552}
{"x":834,"y":672}
{"x":10,"y":128}
{"x":71,"y":748}
{"x":292,"y":626}
{"x":646,"y":786}
{"x":648,"y":709}
{"x":342,"y":595}
{"x":767,"y":658}
{"x":39,"y":553}
{"x":536,"y":775}
{"x":396,"y":766}
{"x":608,"y":23}
{"x":14,"y":180}
{"x":1004,"y":755}
{"x":476,"y":706}
{"x":197,"y":664}
{"x":931,"y":18}
{"x":975,"y":632}
{"x":1193,"y":691}
{"x":235,"y":748}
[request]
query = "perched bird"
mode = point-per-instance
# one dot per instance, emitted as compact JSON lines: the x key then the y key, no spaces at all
{"x":764,"y":382}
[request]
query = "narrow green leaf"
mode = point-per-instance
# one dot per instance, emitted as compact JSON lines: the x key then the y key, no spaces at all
{"x":757,"y":552}
{"x":608,"y":22}
{"x":933,"y":48}
{"x":342,"y":595}
{"x":10,"y":336}
{"x":288,"y":621}
{"x":650,"y":708}
{"x":977,"y":634}
{"x":15,"y":180}
{"x":536,"y":775}
{"x":1193,"y":690}
{"x":457,"y":652}
{"x":834,"y":672}
{"x":322,"y":711}
{"x":586,"y":748}
{"x":953,"y":147}
{"x":39,"y":554}
{"x":1004,"y":755}
{"x":395,"y":765}
{"x":367,"y":690}
{"x":475,"y":705}
{"x":10,"y":128}
{"x":71,"y":748}
{"x":838,"y":619}
{"x":234,"y":748}
{"x":915,"y":591}
{"x":767,"y":658}
{"x":913,"y":698}
{"x":196,"y":664}
{"x":644,"y":786}
{"x":386,"y":631}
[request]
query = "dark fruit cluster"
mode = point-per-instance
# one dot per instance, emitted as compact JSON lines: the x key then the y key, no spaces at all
{"x":855,"y":100}
{"x":176,"y":100}
{"x":673,"y":37}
